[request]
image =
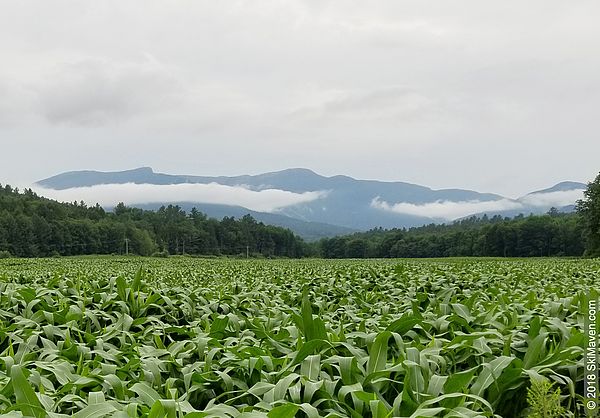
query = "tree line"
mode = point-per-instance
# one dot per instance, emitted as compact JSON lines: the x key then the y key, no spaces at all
{"x":548,"y":235}
{"x":33,"y":226}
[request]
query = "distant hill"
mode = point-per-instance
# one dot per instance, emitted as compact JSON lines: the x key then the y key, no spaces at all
{"x":562,"y":187}
{"x":309,"y":231}
{"x":87,"y":178}
{"x":561,"y":196}
{"x":344,"y":204}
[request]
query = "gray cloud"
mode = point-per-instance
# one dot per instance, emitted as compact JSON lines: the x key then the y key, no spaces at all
{"x":427,"y":93}
{"x":96,"y":91}
{"x":108,"y":195}
{"x":15,"y":103}
{"x":392,"y":102}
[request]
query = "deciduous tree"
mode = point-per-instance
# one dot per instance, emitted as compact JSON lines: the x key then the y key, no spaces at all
{"x":589,"y":209}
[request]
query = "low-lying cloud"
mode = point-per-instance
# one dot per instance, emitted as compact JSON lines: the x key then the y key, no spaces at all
{"x":445,"y":209}
{"x":556,"y":199}
{"x":108,"y":195}
{"x":451,"y":210}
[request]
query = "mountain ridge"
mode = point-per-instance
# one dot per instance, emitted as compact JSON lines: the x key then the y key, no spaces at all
{"x":346,"y":202}
{"x":561,"y":187}
{"x":72,"y":179}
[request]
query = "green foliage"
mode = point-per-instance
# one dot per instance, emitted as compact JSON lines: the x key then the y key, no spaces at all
{"x":589,"y":209}
{"x":5,"y":254}
{"x":190,"y":337}
{"x":554,"y":234}
{"x":543,"y":402}
{"x":31,"y":226}
{"x":26,"y":399}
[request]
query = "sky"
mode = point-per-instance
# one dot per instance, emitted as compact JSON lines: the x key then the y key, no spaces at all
{"x":497,"y":97}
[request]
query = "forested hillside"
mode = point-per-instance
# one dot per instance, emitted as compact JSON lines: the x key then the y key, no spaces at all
{"x":32,"y":226}
{"x":553,"y":234}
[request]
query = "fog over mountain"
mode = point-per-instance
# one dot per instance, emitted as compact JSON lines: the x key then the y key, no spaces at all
{"x":300,"y":199}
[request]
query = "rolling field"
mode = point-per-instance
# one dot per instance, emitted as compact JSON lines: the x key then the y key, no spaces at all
{"x":130,"y":337}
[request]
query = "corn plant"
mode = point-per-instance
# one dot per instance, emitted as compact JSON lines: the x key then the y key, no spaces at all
{"x":183,"y":337}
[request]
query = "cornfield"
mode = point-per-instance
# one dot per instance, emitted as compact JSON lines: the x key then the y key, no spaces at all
{"x":184,"y":337}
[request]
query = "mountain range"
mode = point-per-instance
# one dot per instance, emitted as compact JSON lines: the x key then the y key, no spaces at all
{"x":311,"y":205}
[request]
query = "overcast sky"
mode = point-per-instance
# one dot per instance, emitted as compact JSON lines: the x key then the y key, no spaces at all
{"x":499,"y":97}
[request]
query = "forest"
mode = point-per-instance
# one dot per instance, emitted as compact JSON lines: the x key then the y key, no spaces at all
{"x":33,"y":226}
{"x":553,"y":234}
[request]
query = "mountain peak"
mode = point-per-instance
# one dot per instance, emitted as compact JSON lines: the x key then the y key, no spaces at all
{"x":89,"y":178}
{"x":296,"y":171}
{"x":140,"y":170}
{"x":563,"y":186}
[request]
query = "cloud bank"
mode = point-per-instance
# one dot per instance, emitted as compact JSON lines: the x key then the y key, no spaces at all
{"x":449,"y":210}
{"x":268,"y":200}
{"x":556,"y":199}
{"x":273,"y":200}
{"x":444,"y":209}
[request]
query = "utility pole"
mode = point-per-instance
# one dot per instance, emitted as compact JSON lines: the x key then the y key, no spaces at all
{"x":126,"y":246}
{"x":183,"y":250}
{"x":247,"y":251}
